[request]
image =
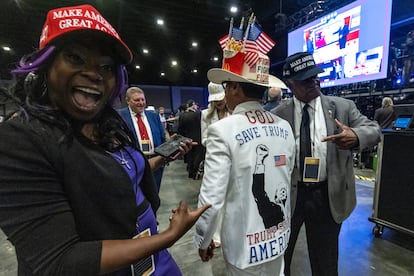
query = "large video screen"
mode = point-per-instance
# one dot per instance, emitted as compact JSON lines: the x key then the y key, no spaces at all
{"x":351,"y":43}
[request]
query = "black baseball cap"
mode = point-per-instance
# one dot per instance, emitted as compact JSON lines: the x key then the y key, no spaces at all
{"x":190,"y":103}
{"x":300,"y":66}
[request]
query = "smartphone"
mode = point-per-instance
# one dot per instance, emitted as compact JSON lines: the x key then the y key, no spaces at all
{"x":171,"y":149}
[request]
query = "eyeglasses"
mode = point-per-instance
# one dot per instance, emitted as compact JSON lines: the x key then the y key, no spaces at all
{"x":226,"y":84}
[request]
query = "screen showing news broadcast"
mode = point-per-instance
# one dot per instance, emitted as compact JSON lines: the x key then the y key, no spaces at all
{"x":350,"y":44}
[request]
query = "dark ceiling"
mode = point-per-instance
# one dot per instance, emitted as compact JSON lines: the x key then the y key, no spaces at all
{"x":204,"y":21}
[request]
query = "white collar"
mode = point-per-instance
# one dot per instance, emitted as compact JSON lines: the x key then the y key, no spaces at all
{"x":299,"y":104}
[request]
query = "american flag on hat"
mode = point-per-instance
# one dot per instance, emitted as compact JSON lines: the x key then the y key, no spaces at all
{"x":251,"y":52}
{"x":236,"y":33}
{"x":256,"y":42}
{"x":253,"y":40}
{"x":263,"y":42}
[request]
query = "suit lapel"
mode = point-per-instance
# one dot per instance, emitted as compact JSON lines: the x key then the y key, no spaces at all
{"x":149,"y":118}
{"x":287,"y":112}
{"x":128,"y":117}
{"x":329,"y":112}
{"x":152,"y":121}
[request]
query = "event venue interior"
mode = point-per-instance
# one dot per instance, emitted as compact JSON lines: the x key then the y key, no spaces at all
{"x":175,"y":43}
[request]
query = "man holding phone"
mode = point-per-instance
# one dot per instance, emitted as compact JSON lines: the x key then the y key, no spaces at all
{"x":146,"y":126}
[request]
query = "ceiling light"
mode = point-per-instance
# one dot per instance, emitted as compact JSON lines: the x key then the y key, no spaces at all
{"x":162,"y":74}
{"x":194,"y":71}
{"x":6,"y":48}
{"x":160,"y":22}
{"x":137,"y":67}
{"x":233,"y":9}
{"x":215,"y":58}
{"x":145,"y":51}
{"x":174,"y":63}
{"x":194,"y":44}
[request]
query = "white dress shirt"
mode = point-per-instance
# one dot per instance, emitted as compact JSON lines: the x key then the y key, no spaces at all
{"x":147,"y":125}
{"x":317,"y":132}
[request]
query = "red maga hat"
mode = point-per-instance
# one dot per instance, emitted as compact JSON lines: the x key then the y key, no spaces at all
{"x":62,"y":21}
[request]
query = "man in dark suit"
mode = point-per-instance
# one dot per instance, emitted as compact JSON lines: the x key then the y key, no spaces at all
{"x":189,"y":125}
{"x":323,"y":181}
{"x":146,"y":126}
{"x":343,"y":33}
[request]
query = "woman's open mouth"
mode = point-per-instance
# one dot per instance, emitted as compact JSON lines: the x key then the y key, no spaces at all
{"x":86,"y":98}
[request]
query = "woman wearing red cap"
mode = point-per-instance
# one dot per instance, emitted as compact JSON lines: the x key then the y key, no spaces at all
{"x":76,"y":195}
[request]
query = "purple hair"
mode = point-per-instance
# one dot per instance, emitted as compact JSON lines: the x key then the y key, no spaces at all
{"x":39,"y":59}
{"x":26,"y":66}
{"x":121,"y":85}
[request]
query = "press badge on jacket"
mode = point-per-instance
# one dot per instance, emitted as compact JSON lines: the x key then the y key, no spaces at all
{"x":311,"y":169}
{"x":145,"y":266}
{"x":146,"y":146}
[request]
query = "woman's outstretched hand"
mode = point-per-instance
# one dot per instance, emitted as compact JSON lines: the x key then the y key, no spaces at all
{"x":183,"y":218}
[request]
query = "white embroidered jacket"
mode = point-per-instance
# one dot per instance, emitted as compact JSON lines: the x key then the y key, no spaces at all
{"x":249,"y":161}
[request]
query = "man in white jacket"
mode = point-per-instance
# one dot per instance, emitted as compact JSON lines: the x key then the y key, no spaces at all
{"x":249,"y":160}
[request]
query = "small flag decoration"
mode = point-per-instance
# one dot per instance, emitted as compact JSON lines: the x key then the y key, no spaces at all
{"x":280,"y":160}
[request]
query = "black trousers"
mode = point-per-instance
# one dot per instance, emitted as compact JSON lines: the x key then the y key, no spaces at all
{"x":322,"y":232}
{"x":193,"y":158}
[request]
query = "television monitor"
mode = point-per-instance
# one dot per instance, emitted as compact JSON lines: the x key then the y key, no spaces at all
{"x":402,"y":122}
{"x":350,"y":44}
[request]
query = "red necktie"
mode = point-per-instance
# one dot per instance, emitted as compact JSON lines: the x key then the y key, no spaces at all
{"x":142,"y":128}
